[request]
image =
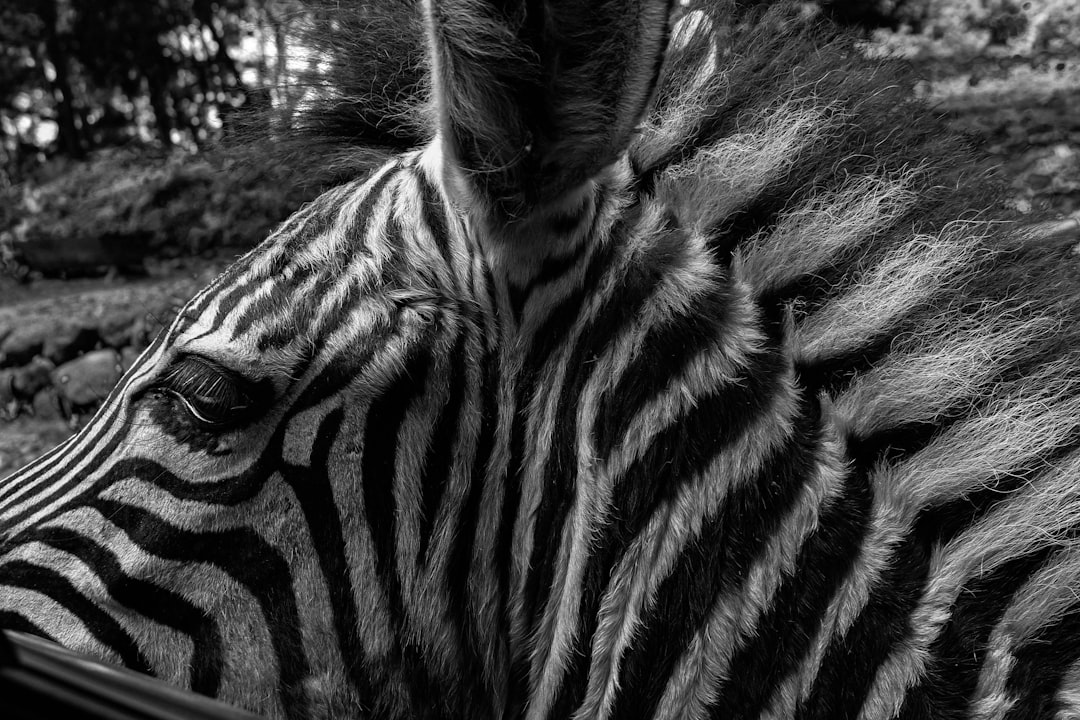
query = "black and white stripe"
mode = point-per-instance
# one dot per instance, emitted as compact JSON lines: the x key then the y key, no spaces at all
{"x":740,"y":413}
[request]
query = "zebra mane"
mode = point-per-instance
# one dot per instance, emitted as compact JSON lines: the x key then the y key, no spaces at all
{"x":360,"y":96}
{"x":370,"y":92}
{"x":768,"y":76}
{"x":776,"y":138}
{"x":740,"y":90}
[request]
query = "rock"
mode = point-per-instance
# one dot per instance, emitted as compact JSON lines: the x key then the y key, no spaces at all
{"x":29,"y":379}
{"x":88,"y":379}
{"x":68,"y":341}
{"x":155,"y":322}
{"x":117,"y":331}
{"x":140,"y":333}
{"x":128,"y":356}
{"x":47,"y":405}
{"x":23,"y":343}
{"x":7,"y":386}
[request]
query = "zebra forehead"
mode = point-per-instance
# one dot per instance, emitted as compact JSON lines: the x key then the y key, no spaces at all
{"x":352,"y":262}
{"x":352,"y":233}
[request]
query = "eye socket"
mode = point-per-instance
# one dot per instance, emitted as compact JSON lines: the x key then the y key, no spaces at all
{"x":213,"y":397}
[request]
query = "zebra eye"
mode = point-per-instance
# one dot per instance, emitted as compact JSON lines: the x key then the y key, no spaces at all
{"x":213,"y":397}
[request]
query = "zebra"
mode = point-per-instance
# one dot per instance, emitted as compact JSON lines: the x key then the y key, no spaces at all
{"x":682,"y":372}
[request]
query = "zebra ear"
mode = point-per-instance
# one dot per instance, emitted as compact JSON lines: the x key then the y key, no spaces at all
{"x":535,"y":98}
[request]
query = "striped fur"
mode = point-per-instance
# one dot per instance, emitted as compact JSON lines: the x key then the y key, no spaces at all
{"x":678,"y":391}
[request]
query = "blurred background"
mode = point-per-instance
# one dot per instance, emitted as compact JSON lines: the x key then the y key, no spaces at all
{"x":139,"y":153}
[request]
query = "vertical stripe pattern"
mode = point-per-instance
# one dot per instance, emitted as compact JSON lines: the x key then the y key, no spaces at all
{"x":745,"y":413}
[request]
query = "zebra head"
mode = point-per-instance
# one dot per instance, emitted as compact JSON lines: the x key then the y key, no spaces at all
{"x":297,"y":499}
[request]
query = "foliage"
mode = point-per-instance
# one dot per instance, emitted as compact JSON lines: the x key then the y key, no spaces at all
{"x":1025,"y":27}
{"x":356,"y":91}
{"x":84,"y":74}
{"x":119,"y":206}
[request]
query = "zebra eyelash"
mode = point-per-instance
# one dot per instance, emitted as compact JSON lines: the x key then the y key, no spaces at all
{"x":214,"y":398}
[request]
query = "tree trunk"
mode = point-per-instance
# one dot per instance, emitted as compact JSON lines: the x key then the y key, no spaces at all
{"x":281,"y":79}
{"x":56,"y":52}
{"x":159,"y":101}
{"x":224,"y":69}
{"x":223,"y":65}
